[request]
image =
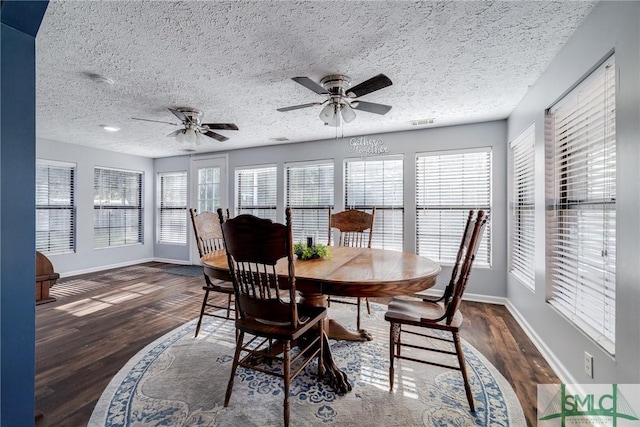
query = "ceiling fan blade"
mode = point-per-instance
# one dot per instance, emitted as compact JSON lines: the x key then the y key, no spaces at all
{"x":297,"y":107}
{"x":371,"y":107}
{"x":225,"y":126}
{"x":175,"y":133}
{"x":155,"y":121}
{"x":215,"y":136}
{"x":310,"y":84}
{"x":374,"y":83}
{"x":180,"y":115}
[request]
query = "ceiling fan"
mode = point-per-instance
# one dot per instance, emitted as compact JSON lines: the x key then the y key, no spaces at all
{"x":342,"y":99}
{"x":194,"y":131}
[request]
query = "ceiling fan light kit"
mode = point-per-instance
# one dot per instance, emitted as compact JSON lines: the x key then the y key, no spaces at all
{"x":188,"y":136}
{"x":110,"y":128}
{"x":341,"y":98}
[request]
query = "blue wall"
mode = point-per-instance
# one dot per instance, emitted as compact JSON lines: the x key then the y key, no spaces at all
{"x":20,"y":22}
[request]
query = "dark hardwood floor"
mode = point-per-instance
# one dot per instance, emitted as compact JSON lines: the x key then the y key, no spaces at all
{"x":100,"y":320}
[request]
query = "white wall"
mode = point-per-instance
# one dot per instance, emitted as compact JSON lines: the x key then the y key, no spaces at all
{"x":611,"y":26}
{"x":86,"y":258}
{"x":488,"y":282}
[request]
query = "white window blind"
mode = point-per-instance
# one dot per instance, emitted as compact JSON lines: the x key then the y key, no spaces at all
{"x":117,"y":207}
{"x":256,"y":191}
{"x":448,"y":185}
{"x":55,"y":207}
{"x":310,"y":195}
{"x":173,"y":207}
{"x":378,"y":182}
{"x":521,"y":162}
{"x":581,"y":221}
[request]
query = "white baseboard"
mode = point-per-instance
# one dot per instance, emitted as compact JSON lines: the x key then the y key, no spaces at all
{"x":104,"y":267}
{"x":124,"y":264}
{"x":484,"y":298}
{"x":563,"y":374}
{"x":172,"y":261}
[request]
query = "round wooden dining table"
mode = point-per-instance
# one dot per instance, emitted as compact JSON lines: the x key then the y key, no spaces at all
{"x":356,"y":272}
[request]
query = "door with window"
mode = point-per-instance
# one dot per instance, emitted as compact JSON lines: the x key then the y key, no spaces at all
{"x":208,"y":190}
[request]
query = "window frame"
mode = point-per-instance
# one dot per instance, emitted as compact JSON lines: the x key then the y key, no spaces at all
{"x":173,"y":210}
{"x":580,"y":257}
{"x":310,"y":219}
{"x":267,"y":210}
{"x":101,"y":206}
{"x":456,"y":214}
{"x":56,"y":248}
{"x":522,"y":240}
{"x":386,"y":212}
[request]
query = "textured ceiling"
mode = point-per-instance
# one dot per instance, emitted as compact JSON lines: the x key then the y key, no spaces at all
{"x":456,"y":62}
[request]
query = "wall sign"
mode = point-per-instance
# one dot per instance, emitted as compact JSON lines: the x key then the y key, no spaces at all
{"x":367,"y":147}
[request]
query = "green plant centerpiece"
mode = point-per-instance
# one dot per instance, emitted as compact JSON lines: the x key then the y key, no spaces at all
{"x":305,"y":252}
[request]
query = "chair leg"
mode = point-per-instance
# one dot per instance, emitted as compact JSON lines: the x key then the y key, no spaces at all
{"x":229,"y":307}
{"x":358,"y":318}
{"x":236,"y":358}
{"x":392,"y":356}
{"x":287,"y":380}
{"x":321,"y":353}
{"x":204,"y":305}
{"x":463,"y":369}
{"x":368,"y":306}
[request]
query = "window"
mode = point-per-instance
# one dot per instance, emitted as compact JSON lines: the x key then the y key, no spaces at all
{"x":581,"y":216}
{"x":521,"y":162}
{"x":208,"y":190}
{"x":378,"y":183}
{"x":310,"y":195}
{"x":55,"y":207}
{"x":448,"y":185}
{"x":173,"y":207}
{"x":256,"y":191}
{"x":117,"y":207}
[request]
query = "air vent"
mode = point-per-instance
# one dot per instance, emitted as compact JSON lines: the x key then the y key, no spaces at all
{"x":422,"y":122}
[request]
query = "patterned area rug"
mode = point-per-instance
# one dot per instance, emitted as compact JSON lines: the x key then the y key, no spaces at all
{"x":179,"y":380}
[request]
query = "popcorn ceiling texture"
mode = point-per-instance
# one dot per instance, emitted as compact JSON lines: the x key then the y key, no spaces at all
{"x":458,"y":62}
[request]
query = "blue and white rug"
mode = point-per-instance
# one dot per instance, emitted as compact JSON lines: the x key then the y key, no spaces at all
{"x":179,"y":380}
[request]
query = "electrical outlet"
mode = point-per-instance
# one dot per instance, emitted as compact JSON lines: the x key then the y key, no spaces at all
{"x":588,"y":364}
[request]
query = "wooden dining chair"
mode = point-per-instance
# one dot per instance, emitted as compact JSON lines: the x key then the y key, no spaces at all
{"x":356,"y":230}
{"x":411,"y":315}
{"x":254,"y":246}
{"x":206,"y":227}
